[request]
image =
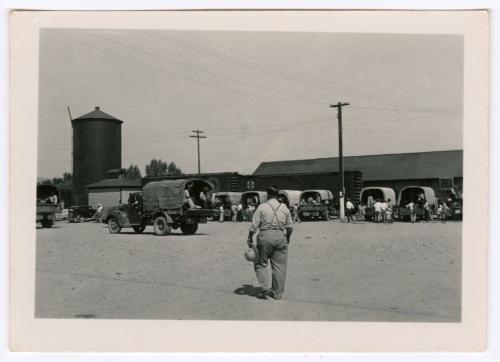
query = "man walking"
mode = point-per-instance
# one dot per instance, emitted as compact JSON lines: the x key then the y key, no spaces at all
{"x":274,"y":223}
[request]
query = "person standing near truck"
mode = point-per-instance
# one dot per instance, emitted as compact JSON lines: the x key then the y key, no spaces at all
{"x":234,"y":211}
{"x":295,"y":212}
{"x":221,"y":213}
{"x":377,"y":206}
{"x":273,"y":222}
{"x":413,"y":212}
{"x":349,"y":208}
{"x":53,"y":198}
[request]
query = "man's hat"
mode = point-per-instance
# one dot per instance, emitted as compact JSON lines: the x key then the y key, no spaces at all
{"x":272,"y":191}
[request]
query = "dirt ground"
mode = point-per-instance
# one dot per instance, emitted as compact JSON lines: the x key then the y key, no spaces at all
{"x":336,"y":271}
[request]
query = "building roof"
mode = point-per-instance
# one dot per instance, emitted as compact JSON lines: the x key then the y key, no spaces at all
{"x":119,"y":182}
{"x":397,"y":166}
{"x":97,"y":114}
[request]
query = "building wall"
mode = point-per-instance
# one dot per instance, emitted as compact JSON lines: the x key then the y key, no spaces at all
{"x":234,"y":182}
{"x":319,"y":181}
{"x":109,"y":196}
{"x":96,"y":149}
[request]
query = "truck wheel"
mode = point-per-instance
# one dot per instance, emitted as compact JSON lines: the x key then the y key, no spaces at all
{"x":139,"y":228}
{"x":161,"y":226}
{"x":189,"y":229}
{"x":47,"y":223}
{"x":113,"y":226}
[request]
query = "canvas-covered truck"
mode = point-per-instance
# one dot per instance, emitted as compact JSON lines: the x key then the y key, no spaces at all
{"x":289,"y":197}
{"x":316,"y":204}
{"x":370,"y":195}
{"x":166,"y":205}
{"x":418,"y":195}
{"x":47,"y":204}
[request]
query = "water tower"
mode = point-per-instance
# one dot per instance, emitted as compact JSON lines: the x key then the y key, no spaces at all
{"x":97,"y":148}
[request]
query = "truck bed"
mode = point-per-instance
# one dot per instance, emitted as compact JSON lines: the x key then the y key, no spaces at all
{"x":198,"y":213}
{"x":47,"y":209}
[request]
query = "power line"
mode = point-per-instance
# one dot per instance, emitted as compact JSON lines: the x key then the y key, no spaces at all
{"x":173,"y":74}
{"x":258,"y":67}
{"x":292,"y":76}
{"x":217,"y":75}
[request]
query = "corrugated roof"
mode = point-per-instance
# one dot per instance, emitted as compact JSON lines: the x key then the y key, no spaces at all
{"x":397,"y":166}
{"x":97,"y":114}
{"x":116,"y":182}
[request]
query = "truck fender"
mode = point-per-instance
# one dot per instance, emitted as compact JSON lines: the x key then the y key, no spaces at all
{"x":167,"y":216}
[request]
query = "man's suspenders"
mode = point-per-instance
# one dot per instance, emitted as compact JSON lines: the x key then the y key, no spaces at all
{"x":280,"y":227}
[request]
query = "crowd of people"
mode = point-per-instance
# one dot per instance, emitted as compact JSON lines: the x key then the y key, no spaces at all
{"x":238,"y":212}
{"x":382,"y":211}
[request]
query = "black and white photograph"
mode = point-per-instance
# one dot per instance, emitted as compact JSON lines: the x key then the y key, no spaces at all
{"x":162,"y":152}
{"x":250,"y":175}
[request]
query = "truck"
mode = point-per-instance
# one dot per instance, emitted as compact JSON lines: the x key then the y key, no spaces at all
{"x":316,"y":204}
{"x":411,"y":194}
{"x":166,"y":205}
{"x":369,"y":195}
{"x":47,"y":204}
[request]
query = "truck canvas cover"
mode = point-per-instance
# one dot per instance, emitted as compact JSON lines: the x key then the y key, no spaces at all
{"x":169,"y":194}
{"x":166,"y":194}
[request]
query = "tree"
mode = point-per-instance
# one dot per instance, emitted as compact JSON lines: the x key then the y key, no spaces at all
{"x":173,"y":169}
{"x":132,"y":172}
{"x":156,"y":168}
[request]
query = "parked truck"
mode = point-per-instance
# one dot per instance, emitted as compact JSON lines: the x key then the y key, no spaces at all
{"x":316,"y":204}
{"x":48,"y":203}
{"x":166,"y":205}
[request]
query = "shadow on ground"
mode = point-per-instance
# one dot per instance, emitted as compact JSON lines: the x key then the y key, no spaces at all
{"x":250,"y":290}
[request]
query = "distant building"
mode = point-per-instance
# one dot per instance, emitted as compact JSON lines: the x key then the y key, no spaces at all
{"x":440,"y":170}
{"x":112,"y":191}
{"x":235,"y":182}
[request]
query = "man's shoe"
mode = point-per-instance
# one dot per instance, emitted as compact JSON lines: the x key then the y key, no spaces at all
{"x":264,"y":293}
{"x":276,"y":295}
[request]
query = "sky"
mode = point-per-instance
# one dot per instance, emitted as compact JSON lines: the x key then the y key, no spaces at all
{"x":258,"y":96}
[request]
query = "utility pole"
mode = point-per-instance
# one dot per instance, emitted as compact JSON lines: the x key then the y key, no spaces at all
{"x":198,"y":136}
{"x":339,"y":106}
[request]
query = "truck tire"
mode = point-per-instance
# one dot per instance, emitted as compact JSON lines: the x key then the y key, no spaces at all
{"x":161,"y":226}
{"x":47,"y":223}
{"x":139,"y":228}
{"x":113,"y":226}
{"x":189,"y":229}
